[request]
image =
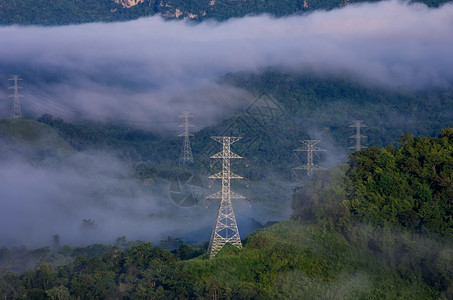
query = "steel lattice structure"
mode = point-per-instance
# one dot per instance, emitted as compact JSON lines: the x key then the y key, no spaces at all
{"x":357,"y":136}
{"x":16,"y":113}
{"x":309,"y":147}
{"x":186,"y":152}
{"x":225,"y":229}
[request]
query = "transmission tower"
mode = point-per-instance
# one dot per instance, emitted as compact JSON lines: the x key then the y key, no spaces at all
{"x":358,"y":137}
{"x":186,"y":152}
{"x":309,"y":147}
{"x":16,"y":113}
{"x":225,"y":229}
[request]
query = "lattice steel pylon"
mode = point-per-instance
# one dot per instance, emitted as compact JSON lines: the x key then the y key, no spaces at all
{"x":309,"y":147}
{"x":16,"y":113}
{"x":186,"y":152}
{"x":357,"y":136}
{"x":225,"y":228}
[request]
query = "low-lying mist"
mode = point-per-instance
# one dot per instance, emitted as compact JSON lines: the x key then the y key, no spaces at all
{"x":92,"y":197}
{"x":87,"y":198}
{"x":145,"y":72}
{"x":150,"y":69}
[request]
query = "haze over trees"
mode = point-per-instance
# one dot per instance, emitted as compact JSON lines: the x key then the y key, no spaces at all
{"x":85,"y":177}
{"x":379,"y":225}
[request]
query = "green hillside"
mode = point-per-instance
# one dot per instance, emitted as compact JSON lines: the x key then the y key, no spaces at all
{"x":378,"y":227}
{"x":289,"y":260}
{"x":60,"y":12}
{"x":305,"y":107}
{"x":409,"y":187}
{"x":31,"y":140}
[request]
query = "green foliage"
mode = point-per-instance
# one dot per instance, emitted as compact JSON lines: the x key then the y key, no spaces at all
{"x":395,"y":202}
{"x":287,"y":260}
{"x":31,"y":139}
{"x":124,"y":142}
{"x":408,"y":187}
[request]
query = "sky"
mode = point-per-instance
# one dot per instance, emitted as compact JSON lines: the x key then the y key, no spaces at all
{"x":149,"y":70}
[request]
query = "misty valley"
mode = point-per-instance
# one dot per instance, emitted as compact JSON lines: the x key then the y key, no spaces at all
{"x":226,"y":150}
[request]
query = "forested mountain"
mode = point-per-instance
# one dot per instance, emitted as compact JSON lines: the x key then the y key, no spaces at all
{"x":60,"y":12}
{"x":407,"y":187}
{"x":287,"y":107}
{"x":378,"y":227}
{"x":80,"y":169}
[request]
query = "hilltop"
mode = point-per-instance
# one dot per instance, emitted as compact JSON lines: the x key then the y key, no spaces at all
{"x":31,"y":140}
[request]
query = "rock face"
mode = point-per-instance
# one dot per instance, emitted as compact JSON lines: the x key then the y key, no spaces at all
{"x":128,"y":3}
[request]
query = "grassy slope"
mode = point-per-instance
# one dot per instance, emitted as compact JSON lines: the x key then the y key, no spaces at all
{"x":291,"y":260}
{"x":31,"y":138}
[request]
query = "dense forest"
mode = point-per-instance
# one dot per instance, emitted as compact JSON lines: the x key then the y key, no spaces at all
{"x":61,"y":12}
{"x":379,"y":226}
{"x":303,"y":106}
{"x":287,"y":107}
{"x":371,"y":224}
{"x":407,"y":187}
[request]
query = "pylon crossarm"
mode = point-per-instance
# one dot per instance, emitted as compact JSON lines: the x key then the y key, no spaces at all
{"x":183,"y":134}
{"x":220,"y":175}
{"x":311,"y":149}
{"x":234,"y":195}
{"x":235,"y":176}
{"x":216,"y":176}
{"x":229,"y":155}
{"x":229,"y":139}
{"x":217,"y":195}
{"x":303,"y":167}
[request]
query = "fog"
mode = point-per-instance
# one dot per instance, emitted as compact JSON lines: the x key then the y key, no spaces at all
{"x":145,"y":72}
{"x":54,"y":198}
{"x":92,"y":197}
{"x":150,"y":69}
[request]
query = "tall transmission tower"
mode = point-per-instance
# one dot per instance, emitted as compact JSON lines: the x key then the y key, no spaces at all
{"x":186,"y":152}
{"x":310,"y":148}
{"x":225,"y":228}
{"x":16,"y":113}
{"x":357,"y":136}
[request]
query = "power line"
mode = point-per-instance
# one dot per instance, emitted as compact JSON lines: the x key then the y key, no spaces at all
{"x":16,"y":113}
{"x":186,"y":152}
{"x":310,"y":148}
{"x":225,"y":229}
{"x":357,"y":136}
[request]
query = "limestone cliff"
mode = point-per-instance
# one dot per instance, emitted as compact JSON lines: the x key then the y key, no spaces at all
{"x":128,"y":3}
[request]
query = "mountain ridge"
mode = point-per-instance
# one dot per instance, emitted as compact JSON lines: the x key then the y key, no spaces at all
{"x":64,"y":12}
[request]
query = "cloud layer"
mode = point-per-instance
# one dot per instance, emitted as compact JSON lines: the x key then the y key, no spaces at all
{"x":151,"y":69}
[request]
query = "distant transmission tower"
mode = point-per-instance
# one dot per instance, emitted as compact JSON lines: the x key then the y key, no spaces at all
{"x":309,"y":147}
{"x":358,"y":137}
{"x":16,"y":113}
{"x":186,"y":152}
{"x":225,"y":229}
